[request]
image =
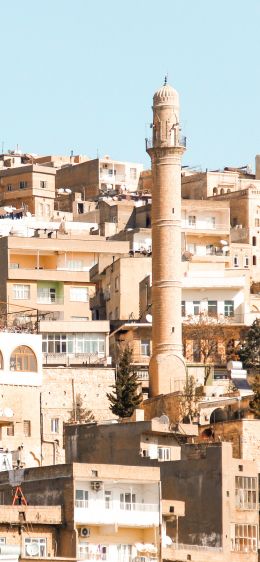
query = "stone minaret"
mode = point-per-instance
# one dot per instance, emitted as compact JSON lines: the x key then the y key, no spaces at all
{"x":167,"y":365}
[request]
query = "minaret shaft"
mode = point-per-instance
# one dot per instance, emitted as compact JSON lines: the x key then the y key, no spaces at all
{"x":167,"y":366}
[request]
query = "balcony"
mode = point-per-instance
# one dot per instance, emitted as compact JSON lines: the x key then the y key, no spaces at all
{"x":43,"y":274}
{"x":197,"y":553}
{"x":181,"y":140}
{"x":42,"y":514}
{"x":50,"y":299}
{"x":112,"y":179}
{"x":204,"y":226}
{"x":69,"y":359}
{"x":117,"y":513}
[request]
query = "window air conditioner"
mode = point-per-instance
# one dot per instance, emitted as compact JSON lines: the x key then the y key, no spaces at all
{"x":84,"y":532}
{"x":32,"y":549}
{"x":96,"y":486}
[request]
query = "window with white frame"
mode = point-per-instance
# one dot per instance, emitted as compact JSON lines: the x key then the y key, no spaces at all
{"x":21,"y":292}
{"x":244,"y":538}
{"x":183,"y":308}
{"x":229,"y":308}
{"x":83,"y":551}
{"x":81,"y":498}
{"x":246,"y":492}
{"x":127,"y":501}
{"x":108,"y":499}
{"x":27,"y":428}
{"x":76,"y":265}
{"x":133,"y":173}
{"x":55,"y":425}
{"x":2,"y":540}
{"x":125,"y":553}
{"x":164,"y":453}
{"x":196,"y":308}
{"x":79,"y":294}
{"x":212,"y":308}
{"x":92,"y":343}
{"x":40,"y":552}
{"x":145,"y":347}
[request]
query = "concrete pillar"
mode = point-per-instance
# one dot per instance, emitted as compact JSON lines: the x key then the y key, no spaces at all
{"x":167,"y":365}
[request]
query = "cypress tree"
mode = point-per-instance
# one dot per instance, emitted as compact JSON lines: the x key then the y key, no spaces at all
{"x":125,"y":397}
{"x":249,"y":352}
{"x":255,"y":403}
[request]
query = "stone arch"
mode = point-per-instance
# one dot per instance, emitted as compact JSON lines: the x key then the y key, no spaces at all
{"x":222,"y":191}
{"x":219,"y":414}
{"x":215,"y":191}
{"x":23,"y":359}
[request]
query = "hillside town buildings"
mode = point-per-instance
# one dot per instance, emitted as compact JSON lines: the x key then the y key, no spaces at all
{"x":96,"y":255}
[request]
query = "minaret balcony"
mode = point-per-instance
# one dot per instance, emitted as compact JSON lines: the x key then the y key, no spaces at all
{"x":181,"y":141}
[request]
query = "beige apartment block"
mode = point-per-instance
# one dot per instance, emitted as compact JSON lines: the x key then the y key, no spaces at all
{"x":201,"y":185}
{"x":52,"y":275}
{"x":86,"y":512}
{"x":119,"y":286}
{"x":31,"y":187}
{"x":99,"y":176}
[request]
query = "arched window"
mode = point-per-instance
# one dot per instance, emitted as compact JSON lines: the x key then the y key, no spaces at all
{"x":222,"y":191}
{"x":215,"y":191}
{"x":228,"y":190}
{"x":254,"y":241}
{"x":254,"y":260}
{"x":23,"y":359}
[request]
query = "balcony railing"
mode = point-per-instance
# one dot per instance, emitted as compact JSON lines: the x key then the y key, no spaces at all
{"x":116,"y":512}
{"x":204,"y":225}
{"x":49,"y":300}
{"x":181,"y":140}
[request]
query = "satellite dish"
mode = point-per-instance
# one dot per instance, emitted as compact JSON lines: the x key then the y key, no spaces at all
{"x":8,"y":413}
{"x":164,"y":419}
{"x":149,"y":318}
{"x":32,"y":549}
{"x":223,"y":242}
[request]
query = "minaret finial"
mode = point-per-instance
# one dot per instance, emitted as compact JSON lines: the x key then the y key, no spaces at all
{"x":165,"y":79}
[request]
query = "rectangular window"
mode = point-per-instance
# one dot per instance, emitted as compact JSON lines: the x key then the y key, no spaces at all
{"x":196,"y":351}
{"x":2,"y":497}
{"x":117,"y":283}
{"x":9,"y":187}
{"x":10,"y":430}
{"x":89,"y":343}
{"x":257,"y":222}
{"x":196,"y":308}
{"x":83,"y":551}
{"x":21,"y":292}
{"x":244,"y":538}
{"x":127,"y":501}
{"x":192,"y":220}
{"x":228,"y":308}
{"x":133,"y":173}
{"x":23,"y":184}
{"x":27,"y":428}
{"x":43,"y":184}
{"x":2,"y":540}
{"x":79,"y":294}
{"x":14,"y":265}
{"x":108,"y":498}
{"x":39,"y":550}
{"x":235,"y":261}
{"x":209,"y":249}
{"x":212,"y":308}
{"x":55,"y":425}
{"x":81,"y":498}
{"x":145,"y":347}
{"x":164,"y":453}
{"x":75,"y":265}
{"x":246,"y":261}
{"x":246,"y":492}
{"x":183,"y":308}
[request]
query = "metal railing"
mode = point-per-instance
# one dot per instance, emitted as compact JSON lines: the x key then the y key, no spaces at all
{"x":181,"y":546}
{"x":50,"y":300}
{"x":181,"y":140}
{"x":123,"y":506}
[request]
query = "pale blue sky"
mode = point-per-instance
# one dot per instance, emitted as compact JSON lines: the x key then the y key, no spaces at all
{"x":81,"y":75}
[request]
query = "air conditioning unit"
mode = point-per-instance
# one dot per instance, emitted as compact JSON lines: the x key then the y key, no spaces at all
{"x":84,"y":532}
{"x":96,"y":485}
{"x":32,"y":549}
